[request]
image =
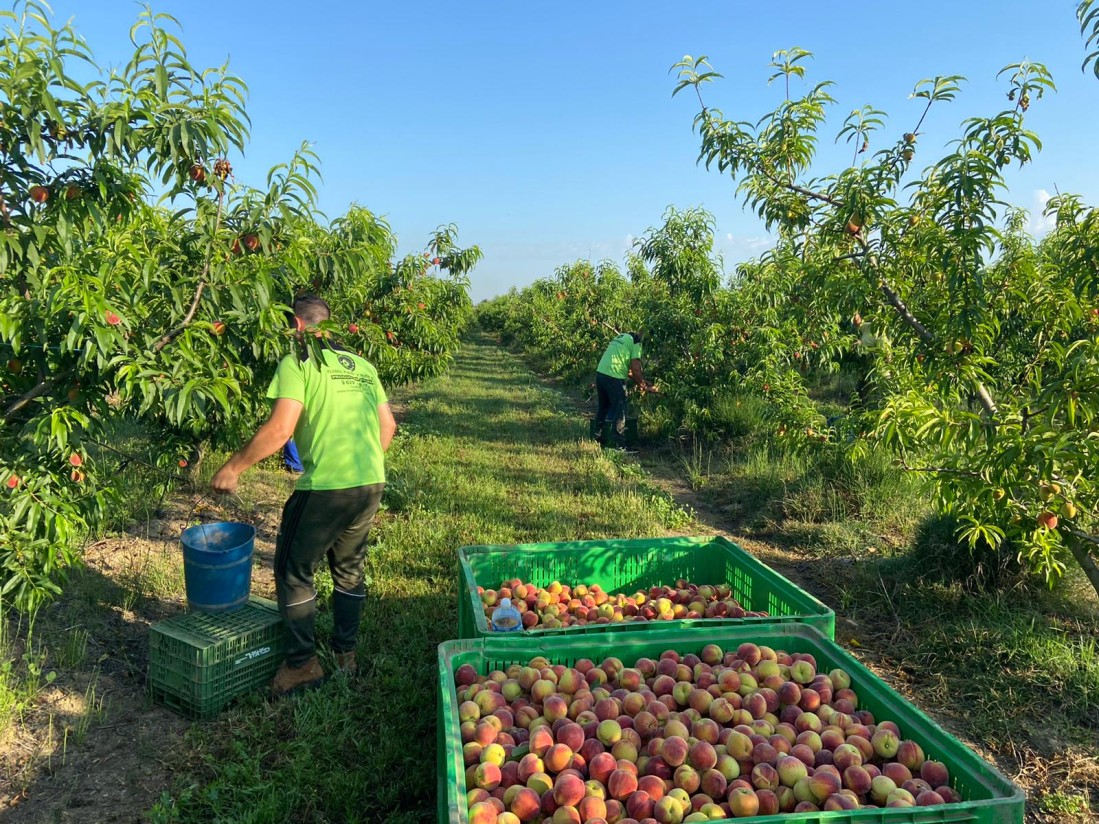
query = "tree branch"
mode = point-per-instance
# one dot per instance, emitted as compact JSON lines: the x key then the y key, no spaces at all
{"x":40,"y":389}
{"x":168,"y":337}
{"x":942,"y":470}
{"x":1075,"y":541}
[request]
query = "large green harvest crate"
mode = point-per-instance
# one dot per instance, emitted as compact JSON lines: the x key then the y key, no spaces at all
{"x":200,"y":662}
{"x":990,"y":798}
{"x":629,"y":565}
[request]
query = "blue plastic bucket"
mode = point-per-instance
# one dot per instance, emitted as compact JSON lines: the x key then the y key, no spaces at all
{"x":217,"y":565}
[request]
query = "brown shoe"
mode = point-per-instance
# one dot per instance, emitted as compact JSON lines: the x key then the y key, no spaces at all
{"x":291,"y":679}
{"x":346,"y":662}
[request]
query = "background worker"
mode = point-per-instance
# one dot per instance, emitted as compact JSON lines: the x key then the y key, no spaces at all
{"x":339,"y":416}
{"x":622,"y":359}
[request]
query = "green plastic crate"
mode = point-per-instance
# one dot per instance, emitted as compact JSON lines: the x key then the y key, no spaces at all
{"x":200,"y":662}
{"x":629,"y":565}
{"x":990,"y":797}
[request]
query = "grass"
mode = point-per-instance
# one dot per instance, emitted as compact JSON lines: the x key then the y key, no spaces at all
{"x":485,"y":455}
{"x":488,"y":454}
{"x":1009,"y":665}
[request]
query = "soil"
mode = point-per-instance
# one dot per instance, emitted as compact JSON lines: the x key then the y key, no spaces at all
{"x":1057,"y":767}
{"x":93,"y":747}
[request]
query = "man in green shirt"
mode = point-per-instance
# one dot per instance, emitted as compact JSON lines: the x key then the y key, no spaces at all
{"x":621,"y":359}
{"x":339,"y":416}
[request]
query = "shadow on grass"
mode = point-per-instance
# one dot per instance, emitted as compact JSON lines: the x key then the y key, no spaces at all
{"x":95,"y":711}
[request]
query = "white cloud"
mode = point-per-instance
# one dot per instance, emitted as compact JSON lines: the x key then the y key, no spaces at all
{"x":1041,"y":224}
{"x":747,"y":245}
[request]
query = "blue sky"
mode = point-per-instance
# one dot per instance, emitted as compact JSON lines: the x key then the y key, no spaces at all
{"x":547,"y":132}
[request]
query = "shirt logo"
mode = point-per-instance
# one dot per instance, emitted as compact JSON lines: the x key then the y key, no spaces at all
{"x":346,"y":362}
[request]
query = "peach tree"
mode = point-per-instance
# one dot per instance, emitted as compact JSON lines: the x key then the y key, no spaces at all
{"x":982,"y":342}
{"x":567,"y":319}
{"x":140,"y":281}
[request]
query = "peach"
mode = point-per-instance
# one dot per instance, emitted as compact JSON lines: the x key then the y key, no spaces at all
{"x":487,"y":776}
{"x":916,"y":786}
{"x":609,"y":731}
{"x":530,"y":764}
{"x":565,"y":815}
{"x":885,"y":743}
{"x":897,"y":772}
{"x":687,"y":778}
{"x":857,"y":780}
{"x":847,"y":755}
{"x":840,"y":801}
{"x":823,"y":784}
{"x":571,"y":735}
{"x":601,"y":767}
{"x":728,"y":680}
{"x":483,"y":812}
{"x":743,"y":802}
{"x":863,"y":745}
{"x":592,"y":807}
{"x":633,"y":704}
{"x":702,"y":756}
{"x":739,"y":746}
{"x":900,"y":797}
{"x":791,"y":770}
{"x":934,"y":773}
{"x":668,"y":810}
{"x":569,"y":790}
{"x":625,"y":751}
{"x":911,"y":755}
{"x":558,"y":757}
{"x":768,"y":802}
{"x":765,"y":777}
{"x":929,"y":798}
{"x":881,"y":788}
{"x":675,"y":751}
{"x":621,"y":784}
{"x":525,"y":804}
{"x":639,"y":805}
{"x":949,"y":794}
{"x":749,"y":653}
{"x":541,"y":739}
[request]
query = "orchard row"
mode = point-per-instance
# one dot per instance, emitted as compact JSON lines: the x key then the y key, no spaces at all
{"x":144,"y":284}
{"x":970,"y":344}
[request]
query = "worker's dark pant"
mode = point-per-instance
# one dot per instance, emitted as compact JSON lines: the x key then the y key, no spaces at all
{"x":315,"y":524}
{"x":610,"y":406}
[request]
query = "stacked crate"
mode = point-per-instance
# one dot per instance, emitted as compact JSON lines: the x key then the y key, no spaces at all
{"x":796,"y":622}
{"x":199,"y":662}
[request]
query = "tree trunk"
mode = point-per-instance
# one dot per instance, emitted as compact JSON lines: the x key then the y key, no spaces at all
{"x":1084,"y":558}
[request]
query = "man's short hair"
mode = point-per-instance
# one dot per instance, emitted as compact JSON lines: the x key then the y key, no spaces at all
{"x":311,"y":309}
{"x":637,"y":336}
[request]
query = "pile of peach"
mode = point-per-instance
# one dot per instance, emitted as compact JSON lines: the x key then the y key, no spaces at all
{"x":559,"y":605}
{"x":755,"y":731}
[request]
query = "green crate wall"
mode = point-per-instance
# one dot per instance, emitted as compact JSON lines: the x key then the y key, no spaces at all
{"x":629,"y":565}
{"x":990,"y":798}
{"x":200,"y":662}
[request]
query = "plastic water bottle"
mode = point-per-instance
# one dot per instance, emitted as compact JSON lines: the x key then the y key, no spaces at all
{"x":506,"y":618}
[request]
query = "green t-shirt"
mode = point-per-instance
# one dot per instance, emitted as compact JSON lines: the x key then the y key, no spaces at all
{"x":338,"y":434}
{"x":616,"y":360}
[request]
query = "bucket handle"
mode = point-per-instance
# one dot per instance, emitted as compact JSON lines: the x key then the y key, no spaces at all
{"x":203,"y":497}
